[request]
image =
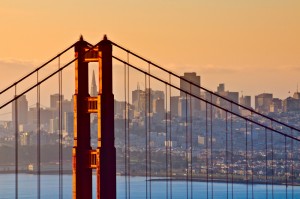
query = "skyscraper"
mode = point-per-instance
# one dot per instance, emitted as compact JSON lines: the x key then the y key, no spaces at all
{"x":68,"y":122}
{"x":174,"y":102}
{"x":184,"y":85}
{"x":139,"y":99}
{"x":221,"y":88}
{"x":54,"y":99}
{"x":194,"y":90}
{"x":93,"y":91}
{"x":22,"y":110}
{"x":263,"y":102}
{"x":245,"y":101}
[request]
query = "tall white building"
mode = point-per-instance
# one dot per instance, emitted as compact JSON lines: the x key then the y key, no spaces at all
{"x":93,"y":90}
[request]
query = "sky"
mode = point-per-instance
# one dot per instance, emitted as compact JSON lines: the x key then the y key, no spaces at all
{"x":251,"y":46}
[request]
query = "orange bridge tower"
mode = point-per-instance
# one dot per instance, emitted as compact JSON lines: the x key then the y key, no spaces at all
{"x":85,"y":158}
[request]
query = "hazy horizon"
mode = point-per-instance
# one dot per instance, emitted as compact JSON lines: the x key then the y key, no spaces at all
{"x":252,"y":47}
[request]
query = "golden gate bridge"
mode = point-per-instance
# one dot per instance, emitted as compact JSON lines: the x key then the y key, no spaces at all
{"x":252,"y":148}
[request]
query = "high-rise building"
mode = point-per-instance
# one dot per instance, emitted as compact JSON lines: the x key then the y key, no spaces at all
{"x":68,"y":122}
{"x":245,"y":101}
{"x":144,"y":100}
{"x":186,"y":86}
{"x":93,"y":91}
{"x":263,"y":102}
{"x":296,"y":95}
{"x":291,"y":104}
{"x":158,"y":95}
{"x":221,"y":88}
{"x":159,"y":106}
{"x":229,"y":95}
{"x":67,"y":106}
{"x":184,"y":107}
{"x":276,"y":105}
{"x":54,"y":99}
{"x":195,"y":90}
{"x":22,"y":110}
{"x":174,"y":102}
{"x":53,"y":125}
{"x":119,"y":107}
{"x":139,"y":99}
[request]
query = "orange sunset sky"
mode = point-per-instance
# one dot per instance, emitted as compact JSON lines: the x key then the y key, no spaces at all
{"x":251,"y":46}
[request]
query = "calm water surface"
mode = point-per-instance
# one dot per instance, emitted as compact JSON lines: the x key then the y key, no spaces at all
{"x":49,"y":189}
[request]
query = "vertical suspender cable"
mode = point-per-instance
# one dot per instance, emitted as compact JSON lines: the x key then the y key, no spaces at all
{"x":170,"y":138}
{"x":252,"y":155}
{"x":191,"y":142}
{"x":226,"y":152}
{"x":166,"y":139}
{"x":186,"y":147}
{"x":231,"y":143}
{"x":146,"y":135}
{"x":16,"y":146}
{"x":125,"y":126}
{"x":285,"y":168}
{"x":206,"y":146}
{"x":149,"y":139}
{"x":272,"y":163}
{"x":128,"y":98}
{"x":211,"y":148}
{"x":247,"y":189}
{"x":292,"y":157}
{"x":266,"y":159}
{"x":60,"y":132}
{"x":38,"y":136}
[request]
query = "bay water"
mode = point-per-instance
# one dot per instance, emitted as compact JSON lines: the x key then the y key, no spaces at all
{"x":137,"y":189}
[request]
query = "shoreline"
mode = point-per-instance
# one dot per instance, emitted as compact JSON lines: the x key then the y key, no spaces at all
{"x":219,"y":180}
{"x":159,"y":178}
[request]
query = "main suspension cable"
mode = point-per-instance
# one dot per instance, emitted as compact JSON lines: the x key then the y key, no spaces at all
{"x":208,"y":91}
{"x":207,"y":101}
{"x":37,"y":69}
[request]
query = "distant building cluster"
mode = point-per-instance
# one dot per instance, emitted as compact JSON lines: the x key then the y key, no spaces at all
{"x":265,"y":103}
{"x":177,"y":120}
{"x":27,"y":116}
{"x":148,"y":103}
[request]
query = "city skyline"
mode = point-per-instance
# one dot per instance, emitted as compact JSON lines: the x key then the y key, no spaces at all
{"x":123,"y":109}
{"x":250,"y":46}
